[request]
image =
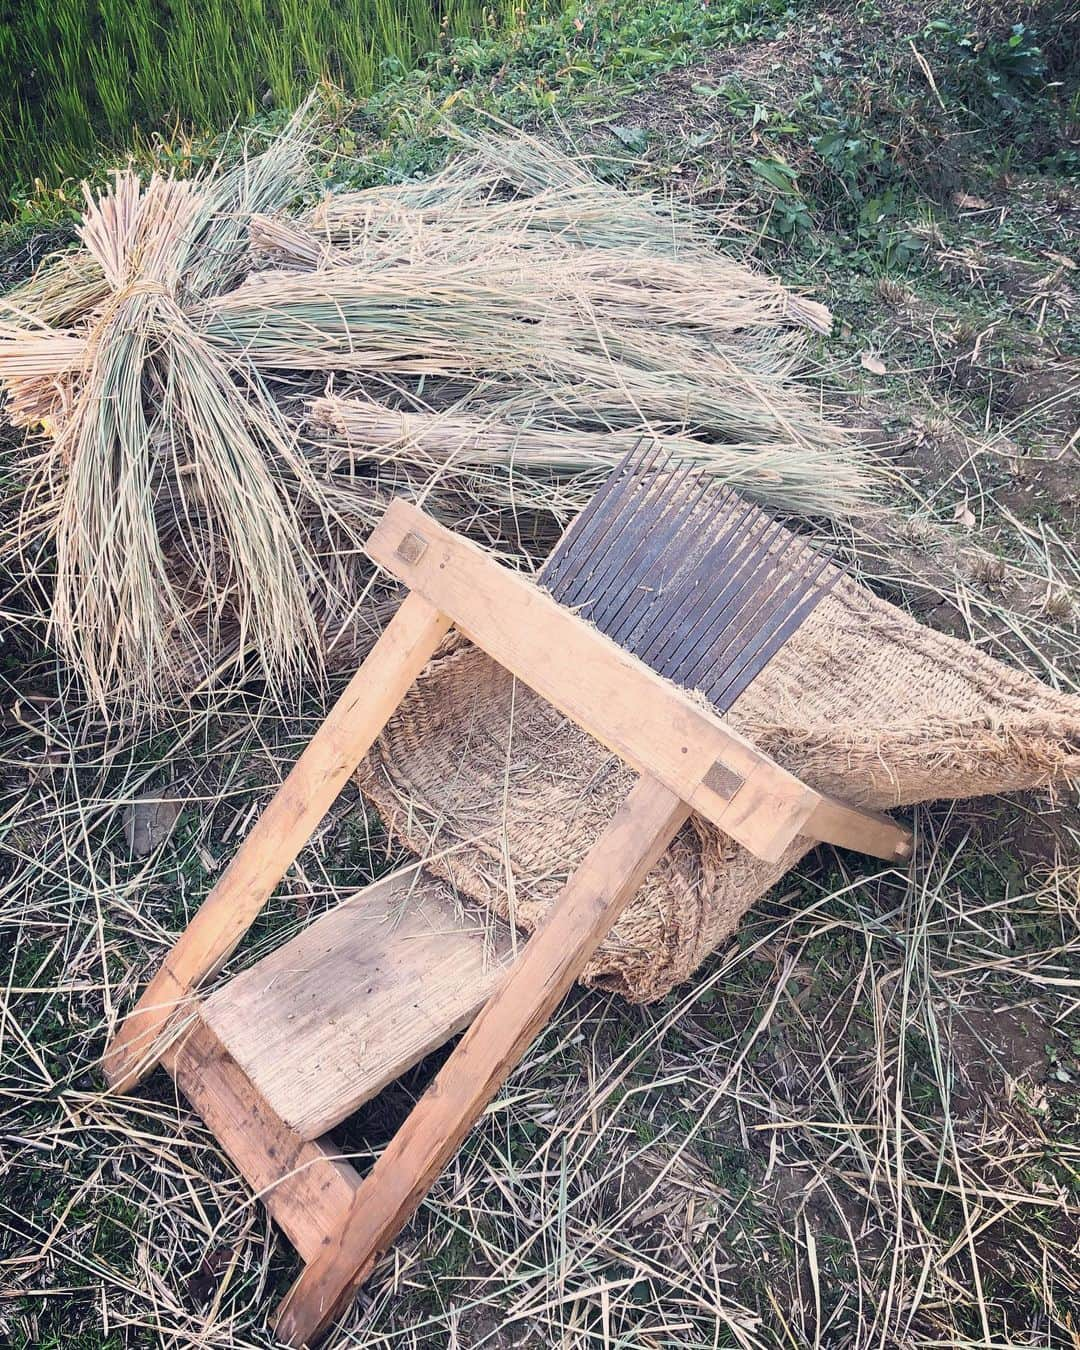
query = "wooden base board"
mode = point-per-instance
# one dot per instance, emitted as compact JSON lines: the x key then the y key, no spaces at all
{"x":361,"y":995}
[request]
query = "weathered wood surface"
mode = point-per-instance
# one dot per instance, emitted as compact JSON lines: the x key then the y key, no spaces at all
{"x":866,"y":831}
{"x":360,"y":996}
{"x":306,"y":1189}
{"x":278,"y":836}
{"x":582,"y":915}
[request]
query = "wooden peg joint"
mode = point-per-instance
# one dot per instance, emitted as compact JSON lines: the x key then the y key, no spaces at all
{"x":412,"y":548}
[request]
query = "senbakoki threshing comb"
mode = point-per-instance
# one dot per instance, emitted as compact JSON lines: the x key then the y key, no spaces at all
{"x":681,"y":572}
{"x":667,"y":587}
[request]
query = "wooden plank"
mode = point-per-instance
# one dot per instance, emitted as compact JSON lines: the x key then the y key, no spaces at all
{"x":616,"y":698}
{"x":307,"y":1190}
{"x":360,"y":996}
{"x":587,"y":907}
{"x":278,"y":836}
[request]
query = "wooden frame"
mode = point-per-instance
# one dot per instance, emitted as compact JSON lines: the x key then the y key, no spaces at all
{"x":689,"y":760}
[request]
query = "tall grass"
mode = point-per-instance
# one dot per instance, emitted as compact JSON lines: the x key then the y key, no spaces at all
{"x":80,"y":74}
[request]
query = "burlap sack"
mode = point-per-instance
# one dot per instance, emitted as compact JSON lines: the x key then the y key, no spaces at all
{"x":503,"y":796}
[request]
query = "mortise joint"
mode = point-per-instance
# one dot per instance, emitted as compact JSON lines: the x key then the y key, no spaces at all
{"x":412,"y":548}
{"x":723,"y":781}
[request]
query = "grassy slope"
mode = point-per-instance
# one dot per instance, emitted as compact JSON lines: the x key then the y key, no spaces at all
{"x":859,"y":1125}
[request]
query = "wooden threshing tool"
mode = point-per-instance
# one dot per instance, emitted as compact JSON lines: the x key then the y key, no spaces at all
{"x":664,"y":599}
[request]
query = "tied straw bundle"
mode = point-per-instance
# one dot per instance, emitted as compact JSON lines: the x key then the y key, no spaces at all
{"x":168,"y":482}
{"x":497,"y":336}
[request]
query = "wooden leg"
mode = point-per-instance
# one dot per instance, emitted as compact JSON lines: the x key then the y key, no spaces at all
{"x":307,"y":1189}
{"x":588,"y":906}
{"x":278,"y":836}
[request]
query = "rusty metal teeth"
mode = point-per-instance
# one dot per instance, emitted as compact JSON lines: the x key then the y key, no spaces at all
{"x":679,"y":570}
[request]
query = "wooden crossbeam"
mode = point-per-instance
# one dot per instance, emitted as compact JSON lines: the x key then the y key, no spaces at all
{"x":307,"y":1189}
{"x":649,"y":722}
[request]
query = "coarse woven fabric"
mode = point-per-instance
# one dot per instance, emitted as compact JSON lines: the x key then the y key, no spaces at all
{"x":503,"y":796}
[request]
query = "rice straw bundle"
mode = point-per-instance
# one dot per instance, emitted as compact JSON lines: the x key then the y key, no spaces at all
{"x":530,"y":468}
{"x":171,"y":479}
{"x":557,"y":204}
{"x":596,"y":338}
{"x":204,"y":452}
{"x":552,"y":195}
{"x":503,"y":332}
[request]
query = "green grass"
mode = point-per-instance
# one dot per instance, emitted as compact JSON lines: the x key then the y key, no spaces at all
{"x":84,"y":74}
{"x":95,"y":79}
